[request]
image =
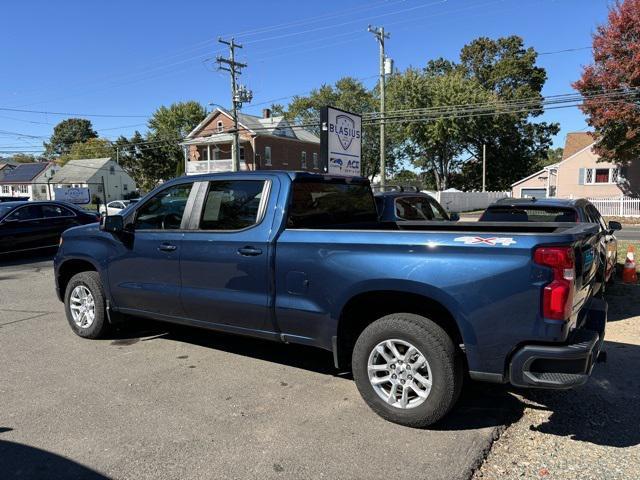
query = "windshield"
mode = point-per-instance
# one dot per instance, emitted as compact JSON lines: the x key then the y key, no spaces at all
{"x":516,"y":213}
{"x":325,"y":204}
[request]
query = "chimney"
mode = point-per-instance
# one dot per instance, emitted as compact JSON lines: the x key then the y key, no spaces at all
{"x":266,"y":113}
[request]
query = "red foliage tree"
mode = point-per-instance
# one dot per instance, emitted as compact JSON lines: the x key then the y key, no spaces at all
{"x":614,"y":79}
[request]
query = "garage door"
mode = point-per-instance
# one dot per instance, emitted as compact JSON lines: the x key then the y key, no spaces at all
{"x":533,"y":192}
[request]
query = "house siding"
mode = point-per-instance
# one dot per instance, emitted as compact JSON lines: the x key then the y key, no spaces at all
{"x":286,"y":154}
{"x":570,"y":182}
{"x":114,"y":183}
{"x":539,"y":181}
{"x":569,"y":174}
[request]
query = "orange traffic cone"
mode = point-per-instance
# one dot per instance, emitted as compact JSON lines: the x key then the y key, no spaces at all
{"x":629,"y":274}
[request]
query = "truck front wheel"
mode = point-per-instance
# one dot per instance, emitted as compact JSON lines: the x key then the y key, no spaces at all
{"x":407,"y":369}
{"x":85,"y":305}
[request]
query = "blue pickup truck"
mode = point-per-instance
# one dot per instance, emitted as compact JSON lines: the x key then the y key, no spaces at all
{"x":411,"y":308}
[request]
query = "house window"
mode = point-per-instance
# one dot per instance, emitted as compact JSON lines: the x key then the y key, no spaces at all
{"x":267,"y":156}
{"x":602,"y":175}
{"x":589,"y":176}
{"x":241,"y":153}
{"x":315,"y":161}
{"x":303,"y":160}
{"x":597,"y":176}
{"x":220,"y":126}
{"x":23,"y":188}
{"x":203,"y":153}
{"x":125,"y":187}
{"x":43,"y":189}
{"x":100,"y":188}
{"x":112,"y":170}
{"x":5,"y":189}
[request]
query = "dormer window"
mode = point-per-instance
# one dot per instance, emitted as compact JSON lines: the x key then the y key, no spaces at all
{"x":220,"y":126}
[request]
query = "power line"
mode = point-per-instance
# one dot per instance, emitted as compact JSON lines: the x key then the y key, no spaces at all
{"x":101,"y":115}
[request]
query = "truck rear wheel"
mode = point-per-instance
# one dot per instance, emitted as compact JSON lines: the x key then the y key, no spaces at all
{"x":85,"y":305}
{"x":407,"y":369}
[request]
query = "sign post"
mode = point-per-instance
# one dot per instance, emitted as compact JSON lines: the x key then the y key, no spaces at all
{"x":340,"y":142}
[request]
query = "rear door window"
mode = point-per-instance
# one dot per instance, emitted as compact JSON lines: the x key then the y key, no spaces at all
{"x":232,"y":205}
{"x":30,"y":212}
{"x":51,"y":211}
{"x":595,"y":217}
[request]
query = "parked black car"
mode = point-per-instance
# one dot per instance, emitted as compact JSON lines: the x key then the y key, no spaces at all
{"x":26,"y":226}
{"x":395,"y":206}
{"x":579,"y":210}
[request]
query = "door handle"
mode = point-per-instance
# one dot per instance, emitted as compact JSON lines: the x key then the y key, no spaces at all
{"x":167,"y":247}
{"x":249,"y":251}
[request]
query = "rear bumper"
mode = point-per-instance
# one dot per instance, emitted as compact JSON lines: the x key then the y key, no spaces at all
{"x":562,"y":366}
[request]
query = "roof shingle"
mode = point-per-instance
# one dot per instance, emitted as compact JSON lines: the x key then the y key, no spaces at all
{"x":24,"y":173}
{"x":575,"y":142}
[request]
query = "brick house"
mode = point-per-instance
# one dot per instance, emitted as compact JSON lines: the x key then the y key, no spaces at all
{"x":580,"y":174}
{"x":266,"y":143}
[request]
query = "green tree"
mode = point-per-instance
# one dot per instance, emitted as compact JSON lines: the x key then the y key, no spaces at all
{"x":167,"y":127}
{"x":92,"y":148}
{"x":515,"y":145}
{"x":351,"y":95}
{"x":554,"y":155}
{"x":23,"y":158}
{"x":139,"y":159}
{"x":437,"y":143}
{"x":66,"y":133}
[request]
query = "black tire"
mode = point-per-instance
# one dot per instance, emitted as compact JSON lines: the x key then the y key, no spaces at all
{"x":100,"y":325}
{"x":440,"y":352}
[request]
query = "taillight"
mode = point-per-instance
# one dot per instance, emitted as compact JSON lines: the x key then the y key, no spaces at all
{"x":557,"y":297}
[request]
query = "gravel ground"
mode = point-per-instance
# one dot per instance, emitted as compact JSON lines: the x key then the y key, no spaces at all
{"x":587,"y":433}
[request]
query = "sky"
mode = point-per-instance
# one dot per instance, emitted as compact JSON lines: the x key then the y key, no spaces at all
{"x":120,"y":60}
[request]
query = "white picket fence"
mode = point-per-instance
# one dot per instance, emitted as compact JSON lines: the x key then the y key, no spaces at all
{"x":467,"y":201}
{"x":617,"y":206}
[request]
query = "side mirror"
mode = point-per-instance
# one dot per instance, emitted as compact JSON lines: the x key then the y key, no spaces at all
{"x":613,"y":225}
{"x":454,"y":217}
{"x":112,"y":224}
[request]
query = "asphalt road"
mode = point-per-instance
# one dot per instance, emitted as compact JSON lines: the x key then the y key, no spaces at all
{"x":163,"y":402}
{"x":628,"y":232}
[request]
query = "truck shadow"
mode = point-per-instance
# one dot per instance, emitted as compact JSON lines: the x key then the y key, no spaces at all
{"x":602,"y":412}
{"x":23,"y":461}
{"x":605,"y":410}
{"x":624,"y":301}
{"x":480,"y":405}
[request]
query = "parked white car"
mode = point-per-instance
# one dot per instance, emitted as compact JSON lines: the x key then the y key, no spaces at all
{"x":115,"y":207}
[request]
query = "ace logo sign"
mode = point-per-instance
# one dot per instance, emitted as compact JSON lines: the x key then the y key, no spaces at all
{"x":340,"y":142}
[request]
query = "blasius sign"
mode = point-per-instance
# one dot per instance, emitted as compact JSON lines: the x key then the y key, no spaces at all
{"x":79,"y":196}
{"x":340,"y":142}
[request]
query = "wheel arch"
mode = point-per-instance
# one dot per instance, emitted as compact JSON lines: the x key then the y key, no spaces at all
{"x":70,"y":267}
{"x":365,"y":307}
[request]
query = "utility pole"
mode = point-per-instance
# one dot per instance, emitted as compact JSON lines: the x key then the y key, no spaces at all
{"x":239,"y":94}
{"x":378,"y":32}
{"x":484,"y":167}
